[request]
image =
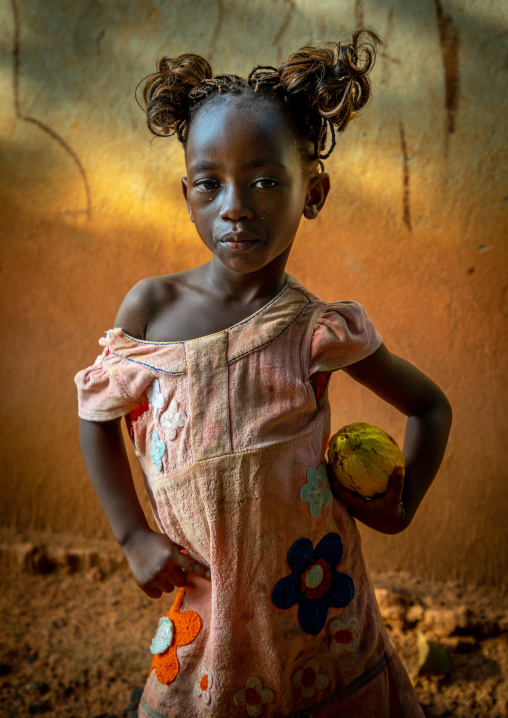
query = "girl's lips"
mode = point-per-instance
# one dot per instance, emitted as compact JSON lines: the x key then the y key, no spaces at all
{"x":238,"y":242}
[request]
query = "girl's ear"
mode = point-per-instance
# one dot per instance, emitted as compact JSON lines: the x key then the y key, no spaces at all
{"x":184,"y":190}
{"x":319,"y":186}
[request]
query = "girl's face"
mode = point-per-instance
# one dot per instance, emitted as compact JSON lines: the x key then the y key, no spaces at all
{"x":246,"y":187}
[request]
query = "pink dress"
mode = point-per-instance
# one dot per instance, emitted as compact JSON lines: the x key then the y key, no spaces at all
{"x":231,"y":436}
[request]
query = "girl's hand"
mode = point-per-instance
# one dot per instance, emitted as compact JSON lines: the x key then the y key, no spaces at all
{"x":384,"y":512}
{"x":158,"y":564}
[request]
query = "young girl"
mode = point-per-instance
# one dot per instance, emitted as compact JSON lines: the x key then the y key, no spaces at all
{"x":221,"y":373}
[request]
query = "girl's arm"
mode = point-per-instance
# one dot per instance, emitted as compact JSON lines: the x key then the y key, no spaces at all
{"x":155,"y":561}
{"x":429,"y":419}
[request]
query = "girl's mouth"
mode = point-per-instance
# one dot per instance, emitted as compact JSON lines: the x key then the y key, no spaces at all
{"x":238,"y":242}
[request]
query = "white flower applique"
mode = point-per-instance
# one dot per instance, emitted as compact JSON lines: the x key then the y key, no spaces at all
{"x":155,"y":397}
{"x":172,"y":420}
{"x":344,"y":635}
{"x":203,"y":685}
{"x":164,"y":636}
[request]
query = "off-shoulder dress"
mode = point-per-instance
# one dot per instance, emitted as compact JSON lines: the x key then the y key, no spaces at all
{"x":230,"y":431}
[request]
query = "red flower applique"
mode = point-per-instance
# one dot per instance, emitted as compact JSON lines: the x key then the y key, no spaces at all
{"x":316,"y":579}
{"x":134,"y":416}
{"x":344,"y":635}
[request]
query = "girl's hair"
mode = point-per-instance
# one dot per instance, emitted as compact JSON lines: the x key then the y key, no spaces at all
{"x":319,"y":88}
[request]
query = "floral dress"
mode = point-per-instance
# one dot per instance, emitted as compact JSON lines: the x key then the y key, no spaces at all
{"x":230,"y":431}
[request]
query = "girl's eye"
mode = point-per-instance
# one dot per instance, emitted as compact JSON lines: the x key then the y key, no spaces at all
{"x":264,"y":183}
{"x":206,"y":185}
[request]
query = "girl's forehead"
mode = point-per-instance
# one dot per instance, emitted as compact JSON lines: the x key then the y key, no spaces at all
{"x":239,"y":125}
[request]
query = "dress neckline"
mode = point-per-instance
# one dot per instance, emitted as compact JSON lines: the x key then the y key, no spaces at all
{"x":246,"y":320}
{"x":249,"y":335}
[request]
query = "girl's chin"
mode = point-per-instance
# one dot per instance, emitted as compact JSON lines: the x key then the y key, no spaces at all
{"x":244,"y":261}
{"x":250,"y":260}
{"x":237,"y":265}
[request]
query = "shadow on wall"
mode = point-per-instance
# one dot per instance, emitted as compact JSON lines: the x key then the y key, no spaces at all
{"x":92,"y":25}
{"x":59,"y":88}
{"x":93,"y":204}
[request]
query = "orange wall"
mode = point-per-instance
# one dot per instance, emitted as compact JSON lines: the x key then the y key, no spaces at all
{"x":415,"y":229}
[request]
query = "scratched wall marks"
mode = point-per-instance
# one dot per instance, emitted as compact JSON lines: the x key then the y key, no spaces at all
{"x":387,"y":60}
{"x":406,"y":196}
{"x":449,"y":41}
{"x":33,"y":120}
{"x":358,"y":14}
{"x":218,"y":25}
{"x":284,"y":26}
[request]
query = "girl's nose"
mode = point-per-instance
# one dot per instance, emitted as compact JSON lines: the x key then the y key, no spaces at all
{"x":235,"y":205}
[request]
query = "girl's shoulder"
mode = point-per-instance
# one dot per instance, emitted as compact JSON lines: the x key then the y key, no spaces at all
{"x":148,"y":299}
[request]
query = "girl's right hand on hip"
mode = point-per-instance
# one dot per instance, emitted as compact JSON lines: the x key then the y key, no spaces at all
{"x":158,"y":564}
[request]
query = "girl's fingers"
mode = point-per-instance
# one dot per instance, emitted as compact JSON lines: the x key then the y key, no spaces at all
{"x":350,"y":498}
{"x":396,"y":485}
{"x":193,"y":566}
{"x":152,"y":592}
{"x":175,"y":575}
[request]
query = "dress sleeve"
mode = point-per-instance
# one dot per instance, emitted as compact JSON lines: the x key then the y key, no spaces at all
{"x":112,"y":387}
{"x":343,"y":334}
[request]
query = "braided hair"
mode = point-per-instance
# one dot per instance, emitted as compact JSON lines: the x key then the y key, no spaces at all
{"x":321,"y":89}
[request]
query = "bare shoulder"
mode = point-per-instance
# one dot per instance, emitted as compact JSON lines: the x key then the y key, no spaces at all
{"x":145,"y":301}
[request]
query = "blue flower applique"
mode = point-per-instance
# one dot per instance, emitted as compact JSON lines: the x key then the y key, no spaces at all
{"x":316,"y":492}
{"x":314,"y":583}
{"x":158,"y":450}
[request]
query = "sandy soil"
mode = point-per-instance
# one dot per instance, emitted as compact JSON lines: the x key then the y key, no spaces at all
{"x":75,"y":631}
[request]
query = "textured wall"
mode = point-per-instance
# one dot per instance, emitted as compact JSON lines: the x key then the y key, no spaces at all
{"x":414,"y":228}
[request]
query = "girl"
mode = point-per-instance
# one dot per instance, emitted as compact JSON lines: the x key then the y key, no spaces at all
{"x":221,"y":373}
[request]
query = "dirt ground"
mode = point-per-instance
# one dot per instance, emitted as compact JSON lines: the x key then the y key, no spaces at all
{"x":75,"y":631}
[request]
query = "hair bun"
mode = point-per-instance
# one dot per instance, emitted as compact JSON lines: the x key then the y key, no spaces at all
{"x":334,"y":78}
{"x":166,"y":92}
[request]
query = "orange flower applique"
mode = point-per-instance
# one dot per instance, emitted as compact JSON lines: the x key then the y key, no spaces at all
{"x":186,"y":626}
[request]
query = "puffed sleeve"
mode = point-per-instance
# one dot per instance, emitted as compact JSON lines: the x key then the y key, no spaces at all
{"x":112,"y":387}
{"x":343,"y":334}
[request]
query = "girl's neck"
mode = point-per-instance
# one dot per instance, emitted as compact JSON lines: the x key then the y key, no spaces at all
{"x":264,"y":283}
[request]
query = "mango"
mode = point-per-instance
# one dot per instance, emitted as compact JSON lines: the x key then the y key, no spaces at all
{"x":363,"y":458}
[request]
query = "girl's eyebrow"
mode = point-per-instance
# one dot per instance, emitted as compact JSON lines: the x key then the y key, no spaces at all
{"x":264,"y":163}
{"x":204,"y":166}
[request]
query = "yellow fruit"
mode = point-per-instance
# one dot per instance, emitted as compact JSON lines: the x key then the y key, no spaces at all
{"x":364,"y":457}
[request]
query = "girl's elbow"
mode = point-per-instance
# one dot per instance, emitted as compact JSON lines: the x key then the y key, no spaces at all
{"x":439,"y":407}
{"x":446,"y":411}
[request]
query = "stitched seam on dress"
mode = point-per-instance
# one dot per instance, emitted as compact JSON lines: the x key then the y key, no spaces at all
{"x":104,"y":414}
{"x":230,"y":419}
{"x":116,"y":380}
{"x":352,"y":687}
{"x":153,"y":344}
{"x":310,"y":296}
{"x":173,"y":373}
{"x":148,"y":709}
{"x":308,"y":342}
{"x":246,"y":321}
{"x":249,"y":351}
{"x":367,"y":351}
{"x":156,"y":481}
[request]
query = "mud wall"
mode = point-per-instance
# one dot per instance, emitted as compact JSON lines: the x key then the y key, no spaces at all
{"x":415,"y":229}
